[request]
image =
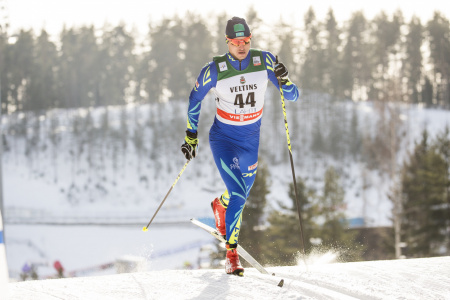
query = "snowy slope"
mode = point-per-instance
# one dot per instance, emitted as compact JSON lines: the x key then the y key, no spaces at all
{"x":85,"y":204}
{"x":426,"y":278}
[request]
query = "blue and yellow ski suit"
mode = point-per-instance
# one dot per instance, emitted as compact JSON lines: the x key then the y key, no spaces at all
{"x":239,"y":87}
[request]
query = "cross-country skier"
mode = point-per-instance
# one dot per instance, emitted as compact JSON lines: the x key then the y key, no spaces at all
{"x":239,"y":80}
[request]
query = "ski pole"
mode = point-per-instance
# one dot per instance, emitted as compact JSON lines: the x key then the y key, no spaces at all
{"x":162,"y":202}
{"x":292,"y":162}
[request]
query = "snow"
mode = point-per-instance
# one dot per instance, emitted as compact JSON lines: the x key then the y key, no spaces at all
{"x":425,"y":278}
{"x":55,"y":210}
{"x":82,"y":250}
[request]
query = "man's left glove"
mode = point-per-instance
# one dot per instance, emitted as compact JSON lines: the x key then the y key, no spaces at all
{"x":190,"y":146}
{"x":281,"y":72}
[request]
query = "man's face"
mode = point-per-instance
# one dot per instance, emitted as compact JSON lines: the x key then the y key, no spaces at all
{"x":239,"y":50}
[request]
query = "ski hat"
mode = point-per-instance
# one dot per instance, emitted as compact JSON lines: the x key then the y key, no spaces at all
{"x":237,"y":27}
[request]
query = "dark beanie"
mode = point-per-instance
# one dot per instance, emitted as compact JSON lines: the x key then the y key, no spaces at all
{"x":237,"y":27}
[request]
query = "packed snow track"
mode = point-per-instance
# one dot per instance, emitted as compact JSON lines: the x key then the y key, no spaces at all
{"x":425,"y":278}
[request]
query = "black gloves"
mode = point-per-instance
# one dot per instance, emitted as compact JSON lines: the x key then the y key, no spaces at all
{"x":281,"y":72}
{"x":190,"y":146}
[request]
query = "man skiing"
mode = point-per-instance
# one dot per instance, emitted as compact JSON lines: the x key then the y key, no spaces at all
{"x":239,"y":80}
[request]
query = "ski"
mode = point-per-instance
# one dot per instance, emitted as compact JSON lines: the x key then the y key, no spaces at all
{"x":241,"y":251}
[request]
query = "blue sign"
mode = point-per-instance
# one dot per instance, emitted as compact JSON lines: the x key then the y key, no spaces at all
{"x":1,"y":237}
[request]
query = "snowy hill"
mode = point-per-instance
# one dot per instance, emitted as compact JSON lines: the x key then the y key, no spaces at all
{"x":427,"y":278}
{"x":79,"y":185}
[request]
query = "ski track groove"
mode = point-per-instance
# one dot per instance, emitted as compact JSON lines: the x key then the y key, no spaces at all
{"x":43,"y":293}
{"x":214,"y":290}
{"x":306,"y":287}
{"x":143,"y":291}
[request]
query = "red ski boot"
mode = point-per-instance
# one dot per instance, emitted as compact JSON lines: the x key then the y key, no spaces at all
{"x":232,"y":263}
{"x":219,"y":215}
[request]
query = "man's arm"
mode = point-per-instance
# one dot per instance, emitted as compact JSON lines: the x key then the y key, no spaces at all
{"x":205,"y":81}
{"x":290,"y":90}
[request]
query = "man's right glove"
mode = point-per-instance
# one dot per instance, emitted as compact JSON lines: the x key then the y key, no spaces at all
{"x":281,"y":72}
{"x":190,"y":146}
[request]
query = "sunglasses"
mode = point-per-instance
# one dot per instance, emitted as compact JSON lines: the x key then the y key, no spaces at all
{"x":237,"y":43}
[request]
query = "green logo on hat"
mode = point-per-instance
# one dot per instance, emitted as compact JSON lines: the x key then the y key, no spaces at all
{"x":238,"y":27}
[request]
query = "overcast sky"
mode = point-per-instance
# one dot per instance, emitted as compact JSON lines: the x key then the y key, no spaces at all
{"x":53,"y":14}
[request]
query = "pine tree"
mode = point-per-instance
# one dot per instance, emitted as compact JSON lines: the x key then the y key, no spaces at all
{"x":163,"y":79}
{"x":219,"y":42}
{"x":312,"y":69}
{"x":355,"y":139}
{"x":43,"y":82}
{"x":332,"y":64}
{"x":199,"y":52}
{"x":251,"y":234}
{"x":333,"y":230}
{"x":386,"y":35}
{"x":427,"y":92}
{"x":425,"y":207}
{"x":115,"y":57}
{"x":443,"y":146}
{"x":318,"y":143}
{"x":79,"y":70}
{"x":283,"y":236}
{"x":356,"y":66}
{"x":21,"y":63}
{"x":438,"y":30}
{"x":255,"y":23}
{"x":3,"y":69}
{"x":412,"y":63}
{"x":287,"y":46}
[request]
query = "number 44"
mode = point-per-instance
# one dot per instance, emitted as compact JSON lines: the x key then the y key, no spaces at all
{"x":239,"y":100}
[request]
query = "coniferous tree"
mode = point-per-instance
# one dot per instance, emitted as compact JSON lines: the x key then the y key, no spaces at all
{"x":251,"y":233}
{"x":285,"y":40}
{"x":356,"y":69}
{"x":43,"y":82}
{"x":55,"y":140}
{"x":355,"y":139}
{"x":312,"y":69}
{"x":178,"y":83}
{"x":196,"y":53}
{"x":443,"y":147}
{"x":333,"y":230}
{"x":386,"y":34}
{"x":427,"y":92}
{"x":219,"y":44}
{"x":318,"y":139}
{"x":439,"y":38}
{"x":425,"y":205}
{"x":79,"y":66}
{"x":3,"y":69}
{"x":21,"y":63}
{"x":284,"y":236}
{"x":412,"y":63}
{"x":331,"y":56}
{"x":165,"y":78}
{"x":115,"y":62}
{"x":336,"y":136}
{"x":252,"y":18}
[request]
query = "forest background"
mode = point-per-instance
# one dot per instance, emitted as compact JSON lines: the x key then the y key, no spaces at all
{"x":387,"y":61}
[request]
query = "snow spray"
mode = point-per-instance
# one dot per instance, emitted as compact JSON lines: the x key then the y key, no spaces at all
{"x":318,"y":256}
{"x":4,"y":275}
{"x":146,"y":252}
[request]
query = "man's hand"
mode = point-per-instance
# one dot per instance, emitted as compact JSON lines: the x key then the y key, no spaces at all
{"x":190,"y":146}
{"x":281,"y":72}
